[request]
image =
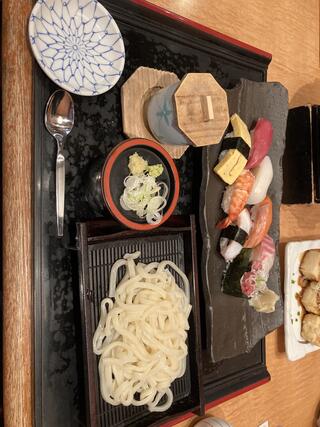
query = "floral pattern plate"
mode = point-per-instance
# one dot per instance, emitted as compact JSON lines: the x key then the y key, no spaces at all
{"x":296,"y":346}
{"x":77,"y":44}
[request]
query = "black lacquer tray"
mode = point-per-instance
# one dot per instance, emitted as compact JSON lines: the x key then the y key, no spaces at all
{"x":155,"y":40}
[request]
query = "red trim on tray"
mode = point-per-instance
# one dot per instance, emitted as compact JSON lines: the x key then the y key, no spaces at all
{"x":217,"y":402}
{"x":178,"y":420}
{"x":106,"y":178}
{"x":236,"y":393}
{"x":203,"y":28}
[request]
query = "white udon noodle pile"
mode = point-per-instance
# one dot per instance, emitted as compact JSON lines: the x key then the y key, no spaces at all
{"x":141,"y":334}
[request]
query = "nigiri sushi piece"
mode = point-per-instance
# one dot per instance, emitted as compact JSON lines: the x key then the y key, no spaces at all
{"x":233,"y":237}
{"x":231,"y":281}
{"x":235,"y":198}
{"x":263,"y":256}
{"x":261,"y":142}
{"x":262,"y":259}
{"x":261,"y":216}
{"x":254,"y":282}
{"x":246,"y":276}
{"x":263,"y":177}
{"x":234,"y":151}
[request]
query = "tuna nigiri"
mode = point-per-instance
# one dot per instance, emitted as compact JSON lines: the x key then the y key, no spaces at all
{"x":261,"y":142}
{"x":261,"y":216}
{"x":235,"y":198}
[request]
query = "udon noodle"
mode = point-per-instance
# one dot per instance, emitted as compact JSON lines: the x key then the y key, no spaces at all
{"x":141,"y":335}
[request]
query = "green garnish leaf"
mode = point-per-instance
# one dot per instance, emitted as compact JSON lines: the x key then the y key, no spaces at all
{"x":231,"y":279}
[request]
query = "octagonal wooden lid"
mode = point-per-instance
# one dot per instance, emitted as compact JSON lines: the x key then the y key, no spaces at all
{"x":202,"y":109}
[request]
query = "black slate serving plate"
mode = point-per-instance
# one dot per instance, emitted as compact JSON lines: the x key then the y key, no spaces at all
{"x":246,"y":327}
{"x":154,"y":40}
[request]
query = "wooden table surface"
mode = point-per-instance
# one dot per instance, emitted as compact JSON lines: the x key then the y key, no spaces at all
{"x":290,"y":31}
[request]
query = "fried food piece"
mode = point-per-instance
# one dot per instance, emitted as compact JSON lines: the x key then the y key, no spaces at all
{"x":310,"y":266}
{"x":311,"y":298}
{"x":311,"y":329}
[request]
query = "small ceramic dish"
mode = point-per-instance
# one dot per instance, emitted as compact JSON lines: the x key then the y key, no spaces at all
{"x":162,"y":118}
{"x":116,"y":169}
{"x":296,"y":346}
{"x":212,"y":422}
{"x":77,"y":44}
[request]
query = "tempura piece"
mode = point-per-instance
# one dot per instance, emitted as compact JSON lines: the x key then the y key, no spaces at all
{"x":311,"y":329}
{"x":311,"y":298}
{"x":310,"y":266}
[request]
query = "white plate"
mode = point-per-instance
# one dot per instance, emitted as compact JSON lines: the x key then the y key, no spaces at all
{"x":296,"y":348}
{"x":78,"y":45}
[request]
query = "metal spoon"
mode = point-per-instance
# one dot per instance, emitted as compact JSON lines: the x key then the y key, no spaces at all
{"x":59,"y":120}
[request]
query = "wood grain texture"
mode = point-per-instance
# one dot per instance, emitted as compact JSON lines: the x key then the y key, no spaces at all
{"x":300,"y":222}
{"x":290,"y":399}
{"x":17,"y":215}
{"x":202,"y":109}
{"x":290,"y":31}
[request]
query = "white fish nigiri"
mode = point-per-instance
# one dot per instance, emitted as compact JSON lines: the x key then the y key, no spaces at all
{"x":229,"y":249}
{"x":263,"y":174}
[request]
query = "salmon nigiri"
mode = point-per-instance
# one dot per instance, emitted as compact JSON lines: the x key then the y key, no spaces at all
{"x":261,"y":216}
{"x":235,"y":198}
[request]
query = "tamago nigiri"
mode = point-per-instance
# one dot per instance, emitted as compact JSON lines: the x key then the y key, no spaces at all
{"x":235,"y":151}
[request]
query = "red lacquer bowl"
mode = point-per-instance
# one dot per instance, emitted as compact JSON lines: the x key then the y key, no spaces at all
{"x":116,"y":169}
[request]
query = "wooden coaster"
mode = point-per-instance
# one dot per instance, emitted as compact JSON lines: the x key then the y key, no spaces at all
{"x":135,"y":95}
{"x":202,"y":109}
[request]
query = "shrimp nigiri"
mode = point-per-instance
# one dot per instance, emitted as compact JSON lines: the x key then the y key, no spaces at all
{"x":261,"y":216}
{"x":235,"y":198}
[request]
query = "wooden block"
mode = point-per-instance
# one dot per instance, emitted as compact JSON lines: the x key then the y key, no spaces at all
{"x":207,"y":108}
{"x":135,"y":95}
{"x":202,"y":109}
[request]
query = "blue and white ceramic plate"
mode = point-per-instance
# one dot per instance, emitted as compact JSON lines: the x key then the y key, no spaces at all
{"x":78,"y":45}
